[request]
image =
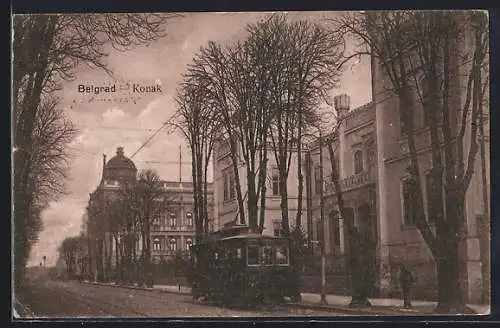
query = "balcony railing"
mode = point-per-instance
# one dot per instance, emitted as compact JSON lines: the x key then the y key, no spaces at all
{"x":351,"y":182}
{"x":169,"y":228}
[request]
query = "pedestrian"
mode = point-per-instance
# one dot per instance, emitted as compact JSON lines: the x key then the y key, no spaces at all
{"x":406,"y":281}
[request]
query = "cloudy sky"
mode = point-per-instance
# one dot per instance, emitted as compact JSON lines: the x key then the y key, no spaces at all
{"x":107,"y":122}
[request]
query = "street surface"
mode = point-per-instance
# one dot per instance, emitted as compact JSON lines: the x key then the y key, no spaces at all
{"x":69,"y":299}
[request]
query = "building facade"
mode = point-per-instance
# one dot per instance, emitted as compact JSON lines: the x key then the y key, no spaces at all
{"x":172,"y":230}
{"x":225,"y":199}
{"x":372,"y":158}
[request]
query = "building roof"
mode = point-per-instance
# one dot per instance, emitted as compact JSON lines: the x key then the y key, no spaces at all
{"x":120,"y":161}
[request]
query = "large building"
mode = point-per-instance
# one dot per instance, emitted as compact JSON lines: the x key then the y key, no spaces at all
{"x":372,"y":157}
{"x":172,"y":228}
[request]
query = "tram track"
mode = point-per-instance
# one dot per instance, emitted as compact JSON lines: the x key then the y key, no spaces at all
{"x":94,"y":302}
{"x":161,"y":295}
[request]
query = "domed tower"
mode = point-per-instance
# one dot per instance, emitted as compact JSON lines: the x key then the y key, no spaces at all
{"x":119,"y":168}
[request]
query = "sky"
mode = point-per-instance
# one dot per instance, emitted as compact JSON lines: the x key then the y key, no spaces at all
{"x":124,"y":119}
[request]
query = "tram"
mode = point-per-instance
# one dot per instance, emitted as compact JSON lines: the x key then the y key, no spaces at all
{"x":236,"y":266}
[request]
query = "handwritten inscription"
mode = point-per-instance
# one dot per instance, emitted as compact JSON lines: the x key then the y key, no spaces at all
{"x":136,"y":88}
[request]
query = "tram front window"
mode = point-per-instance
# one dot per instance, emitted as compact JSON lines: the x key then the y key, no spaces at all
{"x":281,"y":255}
{"x":253,"y":255}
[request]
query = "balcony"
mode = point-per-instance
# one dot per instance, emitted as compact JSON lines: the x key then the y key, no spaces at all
{"x":169,"y":228}
{"x":352,"y":182}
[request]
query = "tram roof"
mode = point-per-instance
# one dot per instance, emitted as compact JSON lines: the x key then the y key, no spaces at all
{"x":216,"y":238}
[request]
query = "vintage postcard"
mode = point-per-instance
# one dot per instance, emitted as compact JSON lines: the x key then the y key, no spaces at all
{"x":251,"y":164}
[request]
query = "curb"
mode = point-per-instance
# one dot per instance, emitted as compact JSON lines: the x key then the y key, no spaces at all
{"x":343,"y":309}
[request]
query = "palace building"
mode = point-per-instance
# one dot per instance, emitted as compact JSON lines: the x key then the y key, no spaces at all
{"x":372,"y":157}
{"x":172,"y":231}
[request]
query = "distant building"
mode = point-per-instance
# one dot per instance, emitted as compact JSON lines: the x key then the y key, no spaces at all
{"x":172,"y":230}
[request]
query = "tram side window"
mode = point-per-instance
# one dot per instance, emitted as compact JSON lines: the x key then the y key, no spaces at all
{"x":282,"y":255}
{"x":253,"y":255}
{"x":267,"y":255}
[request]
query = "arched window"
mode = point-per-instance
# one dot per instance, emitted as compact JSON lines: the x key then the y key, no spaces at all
{"x":173,"y":244}
{"x":409,"y":208}
{"x":156,"y":244}
{"x":173,"y":220}
{"x":189,"y":243}
{"x":189,"y":219}
{"x":358,"y":162}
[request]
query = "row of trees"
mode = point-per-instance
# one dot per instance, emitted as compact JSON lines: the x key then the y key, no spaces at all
{"x":46,"y":51}
{"x":257,"y":96}
{"x":260,"y":96}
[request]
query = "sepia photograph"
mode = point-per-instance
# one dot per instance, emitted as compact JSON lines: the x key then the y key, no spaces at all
{"x":304,"y":164}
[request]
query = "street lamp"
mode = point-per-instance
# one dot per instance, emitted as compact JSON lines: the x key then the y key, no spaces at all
{"x":321,"y":243}
{"x":322,"y":220}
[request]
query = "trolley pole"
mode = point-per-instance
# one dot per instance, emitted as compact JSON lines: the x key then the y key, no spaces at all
{"x":322,"y":220}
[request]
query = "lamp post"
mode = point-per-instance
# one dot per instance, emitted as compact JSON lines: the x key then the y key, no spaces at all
{"x":321,"y":243}
{"x":322,"y":220}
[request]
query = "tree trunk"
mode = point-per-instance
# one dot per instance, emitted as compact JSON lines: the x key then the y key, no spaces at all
{"x":251,"y":200}
{"x":359,"y":291}
{"x":285,"y":223}
{"x":262,"y":186}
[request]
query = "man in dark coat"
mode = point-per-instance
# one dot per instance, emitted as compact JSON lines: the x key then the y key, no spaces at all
{"x":406,"y":280}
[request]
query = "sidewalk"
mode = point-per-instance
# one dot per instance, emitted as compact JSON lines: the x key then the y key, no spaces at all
{"x":337,"y":303}
{"x":380,"y":306}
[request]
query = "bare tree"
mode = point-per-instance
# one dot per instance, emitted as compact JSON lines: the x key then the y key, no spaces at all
{"x":46,"y":50}
{"x":196,"y":119}
{"x":211,"y":68}
{"x":422,"y":55}
{"x":152,"y":201}
{"x":301,"y":62}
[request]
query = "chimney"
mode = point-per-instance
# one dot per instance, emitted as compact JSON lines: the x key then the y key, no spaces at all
{"x":342,"y":104}
{"x":119,"y":151}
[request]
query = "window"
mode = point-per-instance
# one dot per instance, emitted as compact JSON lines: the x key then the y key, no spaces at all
{"x":173,"y":220}
{"x":425,"y":98}
{"x":335,"y":228}
{"x":156,"y":244}
{"x":275,"y":182}
{"x":318,"y":180}
{"x":253,"y":255}
{"x":405,"y":101}
{"x":173,"y":244}
{"x":358,"y":162}
{"x":277,"y":228}
{"x":189,"y":219}
{"x":231,"y":186}
{"x":319,"y":230}
{"x":430,"y":196}
{"x":226,"y":185}
{"x":409,"y":212}
{"x":281,"y":255}
{"x":156,"y":222}
{"x":189,"y":243}
{"x":267,"y":255}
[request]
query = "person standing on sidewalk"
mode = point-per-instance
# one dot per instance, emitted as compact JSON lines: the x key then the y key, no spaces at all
{"x":406,"y":281}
